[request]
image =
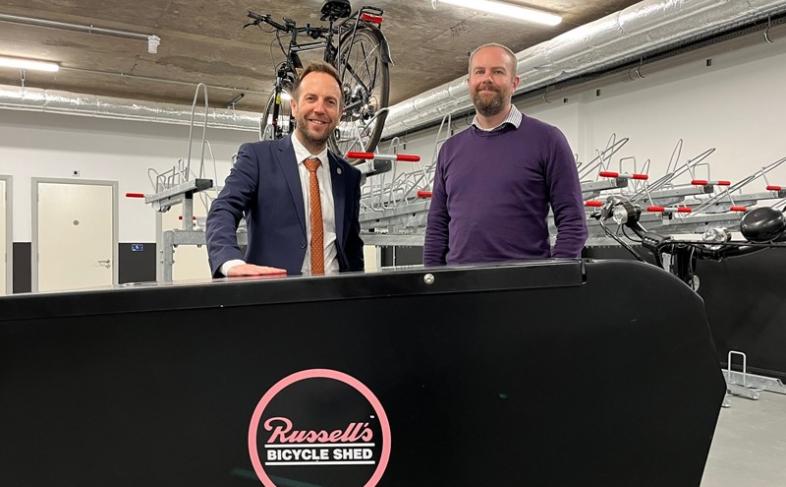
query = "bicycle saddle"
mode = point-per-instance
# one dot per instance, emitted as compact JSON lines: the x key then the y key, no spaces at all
{"x":336,"y":9}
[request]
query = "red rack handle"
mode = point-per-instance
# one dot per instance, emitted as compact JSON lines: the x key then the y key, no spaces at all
{"x":656,"y":209}
{"x":135,"y":195}
{"x":408,"y":157}
{"x":640,"y":177}
{"x":424,"y":195}
{"x":609,"y":174}
{"x":738,"y":209}
{"x":684,"y":209}
{"x":593,"y":203}
{"x":383,"y":157}
{"x":704,"y":182}
{"x":360,"y":155}
{"x":773,"y":187}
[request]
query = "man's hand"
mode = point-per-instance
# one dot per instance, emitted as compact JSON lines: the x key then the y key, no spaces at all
{"x":246,"y":270}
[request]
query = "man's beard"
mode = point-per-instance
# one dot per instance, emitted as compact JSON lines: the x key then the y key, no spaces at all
{"x":488,"y":107}
{"x":300,"y":126}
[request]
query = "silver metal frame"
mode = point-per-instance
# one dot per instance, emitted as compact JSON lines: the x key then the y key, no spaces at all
{"x":9,"y":222}
{"x":115,"y":223}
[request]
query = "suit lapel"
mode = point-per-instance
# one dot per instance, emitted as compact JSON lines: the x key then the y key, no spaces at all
{"x":286,"y":160}
{"x":338,"y":180}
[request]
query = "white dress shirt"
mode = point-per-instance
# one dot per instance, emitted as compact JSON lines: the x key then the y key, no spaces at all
{"x":328,"y":210}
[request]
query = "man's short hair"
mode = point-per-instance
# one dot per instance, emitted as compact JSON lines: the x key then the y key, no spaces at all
{"x":316,"y":68}
{"x":511,"y":55}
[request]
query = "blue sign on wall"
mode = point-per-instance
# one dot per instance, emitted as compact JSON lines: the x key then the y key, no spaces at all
{"x":137,"y":247}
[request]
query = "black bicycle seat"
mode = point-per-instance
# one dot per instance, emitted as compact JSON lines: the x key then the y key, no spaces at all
{"x":336,"y":9}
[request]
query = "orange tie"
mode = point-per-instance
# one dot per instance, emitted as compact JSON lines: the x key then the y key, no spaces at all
{"x":317,"y":231}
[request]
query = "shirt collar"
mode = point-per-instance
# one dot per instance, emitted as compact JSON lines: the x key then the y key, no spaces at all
{"x":301,"y":153}
{"x":514,"y":118}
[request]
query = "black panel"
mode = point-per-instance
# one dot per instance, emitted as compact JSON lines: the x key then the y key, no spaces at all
{"x":616,"y":252}
{"x":22,"y":267}
{"x":401,"y":255}
{"x":137,"y":262}
{"x":746,"y":306}
{"x":543,"y":374}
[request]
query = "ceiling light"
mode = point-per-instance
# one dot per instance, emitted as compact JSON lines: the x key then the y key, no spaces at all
{"x":28,"y":64}
{"x":506,"y":10}
{"x":153,"y":41}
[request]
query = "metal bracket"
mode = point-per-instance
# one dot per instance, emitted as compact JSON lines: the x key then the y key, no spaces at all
{"x":177,"y":194}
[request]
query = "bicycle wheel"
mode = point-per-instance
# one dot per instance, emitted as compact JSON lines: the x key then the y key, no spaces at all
{"x":285,"y":122}
{"x":366,"y":88}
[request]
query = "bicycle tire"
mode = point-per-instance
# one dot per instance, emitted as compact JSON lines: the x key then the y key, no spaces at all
{"x":351,"y":134}
{"x":265,"y":123}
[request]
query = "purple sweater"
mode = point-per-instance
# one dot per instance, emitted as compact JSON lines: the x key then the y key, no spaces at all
{"x":492,"y":192}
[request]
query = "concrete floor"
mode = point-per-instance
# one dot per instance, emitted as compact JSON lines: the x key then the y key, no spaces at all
{"x":749,"y":447}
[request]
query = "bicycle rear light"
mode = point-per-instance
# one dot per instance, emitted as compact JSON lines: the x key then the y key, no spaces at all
{"x":374,"y":19}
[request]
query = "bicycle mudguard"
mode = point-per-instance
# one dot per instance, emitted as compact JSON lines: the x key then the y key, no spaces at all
{"x":383,"y":41}
{"x":547,"y":373}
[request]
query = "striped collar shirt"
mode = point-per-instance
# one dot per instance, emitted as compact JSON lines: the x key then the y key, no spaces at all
{"x":514,"y":118}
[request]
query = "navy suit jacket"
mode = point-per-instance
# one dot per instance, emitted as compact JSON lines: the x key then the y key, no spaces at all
{"x":264,"y":186}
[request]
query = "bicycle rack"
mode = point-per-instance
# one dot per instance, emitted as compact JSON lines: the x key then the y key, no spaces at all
{"x":737,"y":385}
{"x":727,"y":193}
{"x":379,"y":163}
{"x":602,"y":160}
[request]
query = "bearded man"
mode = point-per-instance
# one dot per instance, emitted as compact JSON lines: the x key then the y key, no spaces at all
{"x":496,"y":181}
{"x":300,"y":202}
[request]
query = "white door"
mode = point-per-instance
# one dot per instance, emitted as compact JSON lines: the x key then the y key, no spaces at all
{"x":3,"y":236}
{"x":75,"y":236}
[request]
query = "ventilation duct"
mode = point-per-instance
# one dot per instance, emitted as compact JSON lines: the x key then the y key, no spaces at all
{"x":51,"y":101}
{"x":647,"y":27}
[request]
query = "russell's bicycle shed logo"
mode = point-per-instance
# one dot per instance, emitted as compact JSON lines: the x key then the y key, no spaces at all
{"x":319,"y":427}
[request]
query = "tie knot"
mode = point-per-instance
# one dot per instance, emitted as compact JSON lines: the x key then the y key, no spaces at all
{"x":312,"y":164}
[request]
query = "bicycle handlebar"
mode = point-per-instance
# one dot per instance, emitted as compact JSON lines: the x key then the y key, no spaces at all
{"x":288,"y":26}
{"x":258,"y":19}
{"x":623,"y":212}
{"x":704,"y":250}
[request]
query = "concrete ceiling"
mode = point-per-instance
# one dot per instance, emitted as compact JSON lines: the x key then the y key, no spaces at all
{"x":203,"y":41}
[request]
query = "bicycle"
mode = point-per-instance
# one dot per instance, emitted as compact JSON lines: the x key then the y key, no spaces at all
{"x":762,"y":228}
{"x":358,"y":50}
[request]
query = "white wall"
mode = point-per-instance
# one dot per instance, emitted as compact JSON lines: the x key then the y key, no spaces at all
{"x":738,"y":106}
{"x":49,"y":145}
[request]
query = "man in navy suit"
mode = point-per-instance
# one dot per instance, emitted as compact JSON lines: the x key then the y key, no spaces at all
{"x":300,"y":202}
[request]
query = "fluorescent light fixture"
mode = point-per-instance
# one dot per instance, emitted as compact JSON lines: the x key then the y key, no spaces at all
{"x":508,"y":10}
{"x":153,"y":41}
{"x":28,"y":64}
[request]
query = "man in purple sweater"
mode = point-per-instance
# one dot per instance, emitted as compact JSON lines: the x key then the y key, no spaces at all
{"x":496,"y":180}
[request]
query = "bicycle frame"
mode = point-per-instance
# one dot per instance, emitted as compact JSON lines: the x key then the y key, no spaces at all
{"x":287,"y":71}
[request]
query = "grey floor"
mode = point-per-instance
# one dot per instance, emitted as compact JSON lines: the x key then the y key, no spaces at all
{"x":749,"y":447}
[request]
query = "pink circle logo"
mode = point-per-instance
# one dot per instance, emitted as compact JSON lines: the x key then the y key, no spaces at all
{"x":320,"y":426}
